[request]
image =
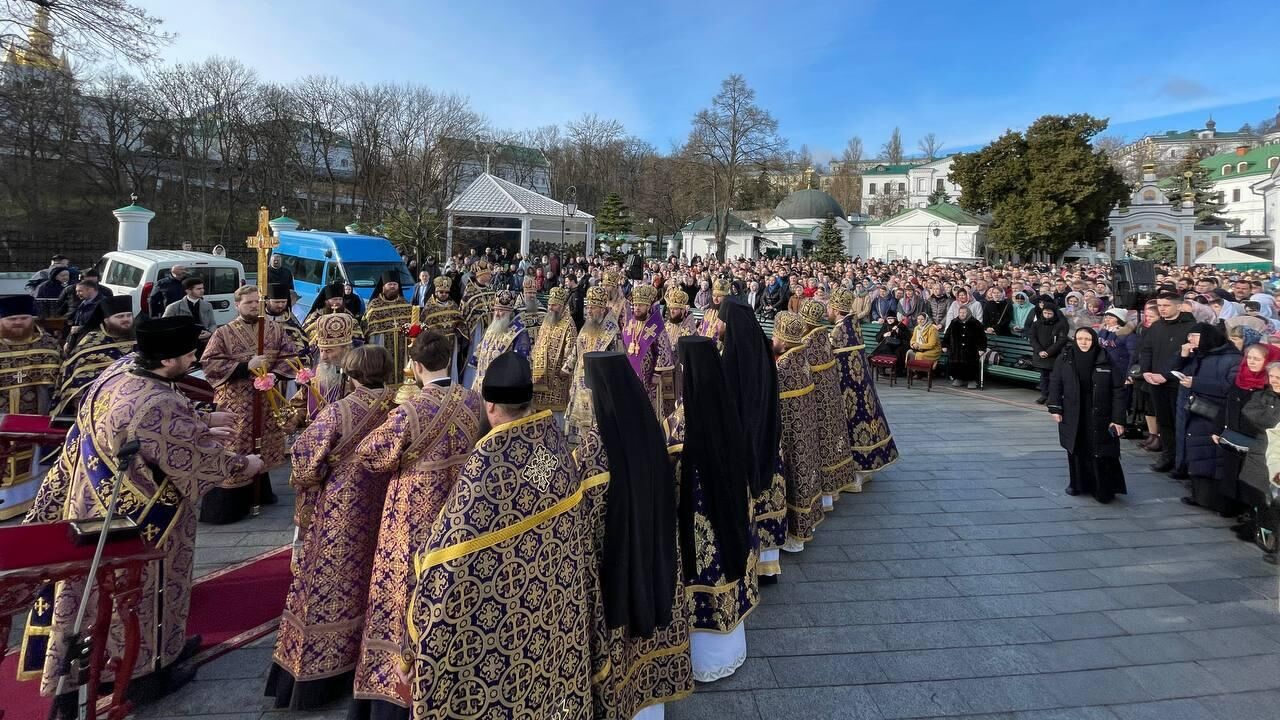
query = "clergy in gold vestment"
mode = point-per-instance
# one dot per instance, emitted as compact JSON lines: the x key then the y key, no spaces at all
{"x":330,"y":302}
{"x":29,"y":365}
{"x":645,"y":341}
{"x":640,"y":626}
{"x":556,"y":342}
{"x":505,"y":333}
{"x":182,"y":455}
{"x":444,"y":316}
{"x":339,"y":503}
{"x":679,"y":324}
{"x":423,"y":444}
{"x":477,"y":310}
{"x":833,"y":432}
{"x":107,"y":338}
{"x":324,"y":385}
{"x":617,"y":309}
{"x":499,"y":620}
{"x":871,"y":441}
{"x":598,"y":334}
{"x":530,"y":310}
{"x":232,"y":364}
{"x":385,"y":319}
{"x":711,"y":325}
{"x":798,"y":454}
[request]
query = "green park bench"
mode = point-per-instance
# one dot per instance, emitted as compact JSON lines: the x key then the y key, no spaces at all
{"x":1011,"y":349}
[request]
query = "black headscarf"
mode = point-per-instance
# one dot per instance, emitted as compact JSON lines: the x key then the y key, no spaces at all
{"x":715,"y":456}
{"x":751,"y":372}
{"x":1211,"y":338}
{"x":1083,"y":361}
{"x":638,"y":563}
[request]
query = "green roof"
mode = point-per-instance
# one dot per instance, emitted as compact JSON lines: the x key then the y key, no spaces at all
{"x":954,"y":213}
{"x":707,"y":223}
{"x":1256,"y":158}
{"x":890,"y":169}
{"x":284,"y":219}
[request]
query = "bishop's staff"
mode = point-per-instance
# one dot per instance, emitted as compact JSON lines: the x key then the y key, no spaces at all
{"x":262,"y":242}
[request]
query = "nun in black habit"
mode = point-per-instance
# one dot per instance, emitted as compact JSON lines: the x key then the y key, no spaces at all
{"x":1087,"y":399}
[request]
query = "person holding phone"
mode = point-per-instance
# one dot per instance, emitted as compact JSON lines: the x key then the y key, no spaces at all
{"x":1087,"y":400}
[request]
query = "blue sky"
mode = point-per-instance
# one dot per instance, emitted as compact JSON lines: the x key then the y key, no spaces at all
{"x":826,"y":70}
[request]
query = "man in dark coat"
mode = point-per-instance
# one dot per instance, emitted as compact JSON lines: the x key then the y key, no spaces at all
{"x":1047,"y":335}
{"x":1158,"y":356}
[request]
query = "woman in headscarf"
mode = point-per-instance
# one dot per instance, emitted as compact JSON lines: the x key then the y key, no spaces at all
{"x":702,"y":300}
{"x":1267,"y":309}
{"x":1262,"y":411}
{"x":1208,"y":365}
{"x":965,"y":342}
{"x":1048,"y":336}
{"x":1238,"y":434}
{"x":1072,"y":305}
{"x":1086,"y":399}
{"x":997,"y":313}
{"x":925,"y":344}
{"x":891,"y":340}
{"x":1201,"y":312}
{"x":1022,"y":310}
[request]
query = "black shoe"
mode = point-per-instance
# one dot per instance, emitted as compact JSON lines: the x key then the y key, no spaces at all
{"x":1162,"y":467}
{"x":1071,"y":491}
{"x":768,"y":579}
{"x":1042,"y":399}
{"x":1179,"y":475}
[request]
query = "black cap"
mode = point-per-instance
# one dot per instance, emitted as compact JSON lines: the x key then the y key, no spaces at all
{"x":509,"y":380}
{"x":332,"y":291}
{"x":390,"y":276}
{"x":117,"y":304}
{"x":11,"y":305}
{"x":276,"y":291}
{"x":167,"y":337}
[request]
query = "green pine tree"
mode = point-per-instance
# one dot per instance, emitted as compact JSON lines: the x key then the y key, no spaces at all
{"x":830,"y":243}
{"x":614,"y":219}
{"x":939,"y":197}
{"x":1191,"y":176}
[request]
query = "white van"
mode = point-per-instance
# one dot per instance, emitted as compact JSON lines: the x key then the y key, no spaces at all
{"x":136,"y":272}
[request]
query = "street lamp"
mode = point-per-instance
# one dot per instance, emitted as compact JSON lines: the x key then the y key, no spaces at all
{"x":934,"y":229}
{"x":568,"y":208}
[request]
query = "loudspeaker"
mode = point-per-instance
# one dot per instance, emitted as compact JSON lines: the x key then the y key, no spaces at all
{"x":634,"y":267}
{"x":1135,"y":282}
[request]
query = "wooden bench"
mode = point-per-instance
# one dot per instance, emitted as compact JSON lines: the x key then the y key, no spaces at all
{"x":1011,"y":350}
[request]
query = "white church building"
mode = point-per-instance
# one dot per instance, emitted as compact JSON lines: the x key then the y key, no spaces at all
{"x":923,"y":233}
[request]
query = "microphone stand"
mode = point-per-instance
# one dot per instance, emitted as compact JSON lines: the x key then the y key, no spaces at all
{"x":79,"y":648}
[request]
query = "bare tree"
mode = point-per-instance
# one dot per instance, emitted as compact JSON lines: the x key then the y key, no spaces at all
{"x":89,"y":29}
{"x":891,"y":151}
{"x":730,"y":137}
{"x":930,"y":146}
{"x":320,"y":108}
{"x":846,"y":186}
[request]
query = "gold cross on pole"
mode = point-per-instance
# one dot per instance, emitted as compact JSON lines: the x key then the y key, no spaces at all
{"x":262,"y":242}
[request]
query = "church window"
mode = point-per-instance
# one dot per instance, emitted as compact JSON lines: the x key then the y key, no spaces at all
{"x":1273,"y":163}
{"x":1242,"y":167}
{"x":873,"y":189}
{"x":1235,"y":195}
{"x":921,"y":184}
{"x":902,"y":187}
{"x":939,"y":187}
{"x":1226,"y":169}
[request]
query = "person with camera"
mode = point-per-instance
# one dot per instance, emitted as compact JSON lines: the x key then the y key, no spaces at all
{"x":1087,"y":400}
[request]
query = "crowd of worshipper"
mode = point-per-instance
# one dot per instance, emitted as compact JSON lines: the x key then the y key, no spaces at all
{"x":488,"y":496}
{"x":470,"y":469}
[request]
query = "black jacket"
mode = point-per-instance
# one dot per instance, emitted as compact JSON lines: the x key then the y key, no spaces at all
{"x":1047,"y":336}
{"x":997,"y":314}
{"x":167,"y":291}
{"x":1159,"y":351}
{"x":964,"y":341}
{"x":1107,"y":405}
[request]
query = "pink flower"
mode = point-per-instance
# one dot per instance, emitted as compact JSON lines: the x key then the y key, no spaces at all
{"x":264,"y":383}
{"x":305,"y":375}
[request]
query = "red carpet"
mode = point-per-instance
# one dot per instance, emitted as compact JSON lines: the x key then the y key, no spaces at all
{"x":229,"y":608}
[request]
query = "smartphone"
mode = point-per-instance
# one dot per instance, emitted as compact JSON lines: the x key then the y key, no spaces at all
{"x":1178,"y":375}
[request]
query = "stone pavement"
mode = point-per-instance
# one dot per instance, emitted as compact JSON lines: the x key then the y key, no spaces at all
{"x":962,"y":582}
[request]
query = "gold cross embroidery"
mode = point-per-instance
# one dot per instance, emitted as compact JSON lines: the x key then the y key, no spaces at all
{"x":540,"y":469}
{"x":20,"y":376}
{"x":150,"y":532}
{"x":41,"y":606}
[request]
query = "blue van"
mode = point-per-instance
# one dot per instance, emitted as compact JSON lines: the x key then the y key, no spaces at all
{"x":317,"y":258}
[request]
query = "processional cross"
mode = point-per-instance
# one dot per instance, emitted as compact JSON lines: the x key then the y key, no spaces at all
{"x":262,"y":242}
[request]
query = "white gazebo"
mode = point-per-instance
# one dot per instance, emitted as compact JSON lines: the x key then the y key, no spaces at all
{"x":495,"y":206}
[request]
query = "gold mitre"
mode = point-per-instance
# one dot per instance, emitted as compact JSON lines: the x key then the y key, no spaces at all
{"x":789,"y":327}
{"x":557,"y":296}
{"x":721,"y":288}
{"x":644,"y":295}
{"x":597,"y":297}
{"x":612,"y":278}
{"x":842,"y":301}
{"x":677,"y":298}
{"x":444,"y":282}
{"x":504,"y":300}
{"x":334,"y":330}
{"x":481,"y":267}
{"x":813,"y":311}
{"x":530,"y":285}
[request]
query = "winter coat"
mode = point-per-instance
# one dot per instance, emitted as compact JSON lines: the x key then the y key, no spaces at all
{"x":1159,"y":351}
{"x":965,"y":341}
{"x":1262,"y":410}
{"x":996,"y":315}
{"x":1048,"y":336}
{"x":925,"y":337}
{"x":938,"y":305}
{"x":861,"y":308}
{"x":1213,"y":374}
{"x":882,"y":307}
{"x":1120,"y":344}
{"x":1106,"y":406}
{"x":1230,"y":462}
{"x":884,"y":346}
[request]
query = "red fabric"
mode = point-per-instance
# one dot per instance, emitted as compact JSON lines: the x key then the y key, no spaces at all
{"x":221,"y":608}
{"x":30,"y":428}
{"x":24,"y":546}
{"x":1247,"y":379}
